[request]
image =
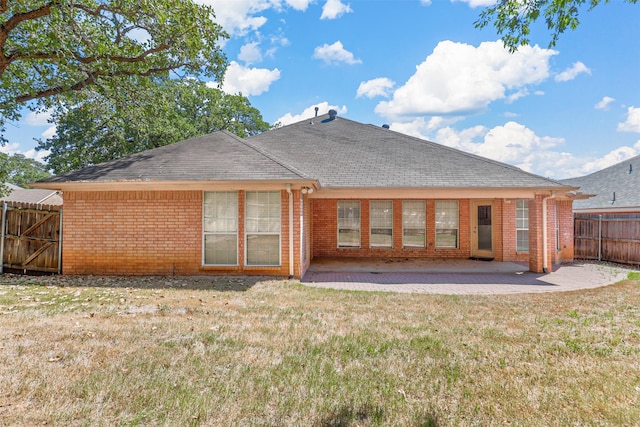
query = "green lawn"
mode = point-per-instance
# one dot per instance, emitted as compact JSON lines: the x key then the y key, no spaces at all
{"x":233,"y":351}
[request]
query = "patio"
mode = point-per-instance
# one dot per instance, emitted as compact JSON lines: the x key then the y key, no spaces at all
{"x":455,"y":276}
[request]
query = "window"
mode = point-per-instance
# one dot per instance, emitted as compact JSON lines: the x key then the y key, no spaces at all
{"x":446,"y":223}
{"x":522,"y":226}
{"x":413,"y":224}
{"x":348,"y":224}
{"x":262,"y":227}
{"x":381,"y":224}
{"x":220,"y":228}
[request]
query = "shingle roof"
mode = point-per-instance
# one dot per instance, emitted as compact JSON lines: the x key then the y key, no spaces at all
{"x":220,"y":156}
{"x":623,"y":179}
{"x":341,"y":153}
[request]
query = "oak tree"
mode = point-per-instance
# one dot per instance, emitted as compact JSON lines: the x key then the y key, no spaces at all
{"x":52,"y":49}
{"x":103,"y":128}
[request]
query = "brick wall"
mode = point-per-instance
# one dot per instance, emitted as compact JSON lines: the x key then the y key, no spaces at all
{"x":565,"y":218}
{"x":147,"y":233}
{"x":325,"y":233}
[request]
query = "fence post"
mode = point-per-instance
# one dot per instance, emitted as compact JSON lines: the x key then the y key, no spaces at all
{"x":4,"y":223}
{"x":60,"y":244}
{"x":600,"y":237}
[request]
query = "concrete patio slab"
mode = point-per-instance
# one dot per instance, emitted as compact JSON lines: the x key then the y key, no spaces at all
{"x":457,"y":277}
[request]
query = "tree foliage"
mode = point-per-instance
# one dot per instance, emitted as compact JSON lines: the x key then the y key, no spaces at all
{"x":513,"y":19}
{"x":104,"y":128}
{"x":23,"y":170}
{"x":56,"y":48}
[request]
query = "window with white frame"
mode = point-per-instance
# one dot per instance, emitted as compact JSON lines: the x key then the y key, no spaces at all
{"x":348,"y":224}
{"x":381,"y":223}
{"x":262,"y":227}
{"x":220,"y":228}
{"x":522,"y":226}
{"x":414,"y":224}
{"x":447,"y":220}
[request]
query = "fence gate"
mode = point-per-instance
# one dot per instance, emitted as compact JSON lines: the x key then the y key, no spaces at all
{"x":31,"y":238}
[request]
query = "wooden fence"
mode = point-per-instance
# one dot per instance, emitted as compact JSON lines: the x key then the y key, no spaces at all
{"x":31,"y":238}
{"x":607,"y":237}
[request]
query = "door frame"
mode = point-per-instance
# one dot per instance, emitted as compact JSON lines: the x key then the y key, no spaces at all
{"x":475,"y":251}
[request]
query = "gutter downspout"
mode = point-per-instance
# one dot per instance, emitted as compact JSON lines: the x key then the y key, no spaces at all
{"x":290,"y":193}
{"x":545,"y":237}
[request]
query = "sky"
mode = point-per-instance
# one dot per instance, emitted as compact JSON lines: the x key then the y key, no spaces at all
{"x":422,"y":67}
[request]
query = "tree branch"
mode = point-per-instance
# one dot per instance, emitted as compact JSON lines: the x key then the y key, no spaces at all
{"x":91,"y":78}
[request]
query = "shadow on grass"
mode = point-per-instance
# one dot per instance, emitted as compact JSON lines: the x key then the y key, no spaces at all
{"x":369,"y":415}
{"x":220,"y":283}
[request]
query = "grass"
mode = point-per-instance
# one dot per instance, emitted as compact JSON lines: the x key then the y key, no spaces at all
{"x":140,"y":352}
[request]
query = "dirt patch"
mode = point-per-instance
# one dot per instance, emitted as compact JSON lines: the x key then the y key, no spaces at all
{"x":218,"y":283}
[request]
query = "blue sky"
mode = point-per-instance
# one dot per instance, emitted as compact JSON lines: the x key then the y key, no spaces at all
{"x":422,"y":68}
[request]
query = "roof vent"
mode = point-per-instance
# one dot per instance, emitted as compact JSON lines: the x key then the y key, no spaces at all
{"x":332,"y":114}
{"x":630,"y":168}
{"x":317,"y":108}
{"x":386,"y":126}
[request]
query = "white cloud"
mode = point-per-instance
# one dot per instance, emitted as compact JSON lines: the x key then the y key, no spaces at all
{"x":334,"y":54}
{"x":477,"y":3}
{"x":375,"y":87}
{"x":421,"y":128}
{"x":50,"y":132}
{"x":309,"y":112}
{"x":511,"y":143}
{"x":632,"y":124}
{"x":520,"y":93}
{"x":515,"y":144}
{"x":333,"y":9}
{"x":38,"y":118}
{"x":238,"y":17}
{"x":572,"y":72}
{"x":299,"y":4}
{"x":604,"y":103}
{"x":250,"y":53}
{"x":14,"y":148}
{"x":611,"y":158}
{"x":458,"y":78}
{"x":248,"y":81}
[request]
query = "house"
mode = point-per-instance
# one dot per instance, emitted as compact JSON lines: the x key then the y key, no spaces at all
{"x":614,"y":189}
{"x":322,"y":187}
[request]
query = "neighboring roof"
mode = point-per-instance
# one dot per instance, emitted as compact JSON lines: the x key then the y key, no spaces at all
{"x":32,"y":196}
{"x":341,"y":153}
{"x":220,"y":156}
{"x":623,"y":179}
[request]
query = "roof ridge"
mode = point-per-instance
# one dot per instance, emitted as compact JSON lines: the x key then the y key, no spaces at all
{"x":271,"y":157}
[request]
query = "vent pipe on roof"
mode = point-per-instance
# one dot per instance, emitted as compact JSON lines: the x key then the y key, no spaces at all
{"x":630,"y":168}
{"x":613,"y":200}
{"x":317,"y":108}
{"x":332,"y":114}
